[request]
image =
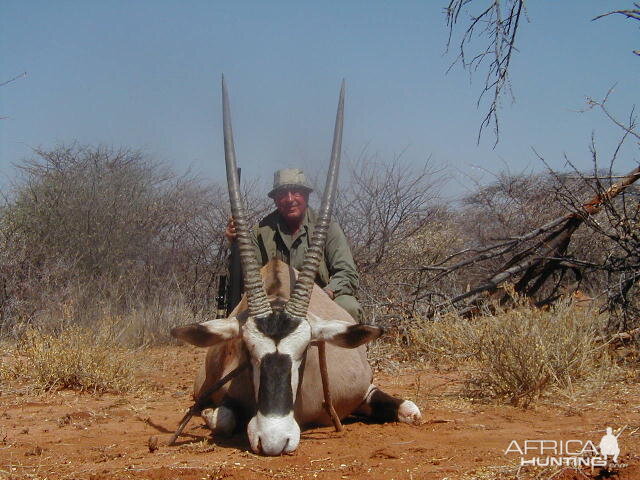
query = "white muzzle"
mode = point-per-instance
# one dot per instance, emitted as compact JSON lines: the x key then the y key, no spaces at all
{"x":271,"y":435}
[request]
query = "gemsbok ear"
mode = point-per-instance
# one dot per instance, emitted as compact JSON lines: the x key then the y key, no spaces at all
{"x":208,"y":333}
{"x":344,"y":334}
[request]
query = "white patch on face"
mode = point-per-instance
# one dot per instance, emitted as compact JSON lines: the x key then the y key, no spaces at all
{"x":295,"y":345}
{"x":257,"y":343}
{"x":258,"y":346}
{"x":296,"y":342}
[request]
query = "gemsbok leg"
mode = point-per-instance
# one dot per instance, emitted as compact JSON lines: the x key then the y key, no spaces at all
{"x":383,"y":407}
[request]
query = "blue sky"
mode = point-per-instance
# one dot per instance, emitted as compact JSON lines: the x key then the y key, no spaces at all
{"x":146,"y":75}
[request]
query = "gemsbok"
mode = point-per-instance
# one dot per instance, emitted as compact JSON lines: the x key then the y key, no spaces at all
{"x":276,"y":329}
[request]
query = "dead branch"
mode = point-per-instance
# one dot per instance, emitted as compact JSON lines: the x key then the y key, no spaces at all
{"x":544,"y":258}
{"x":620,"y":338}
{"x":492,"y":250}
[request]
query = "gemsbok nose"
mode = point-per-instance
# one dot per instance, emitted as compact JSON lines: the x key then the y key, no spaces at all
{"x":273,"y":436}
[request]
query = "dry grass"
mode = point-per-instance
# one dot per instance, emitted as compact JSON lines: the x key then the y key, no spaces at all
{"x":203,"y":446}
{"x":518,"y":354}
{"x":136,"y":325}
{"x":72,"y":358}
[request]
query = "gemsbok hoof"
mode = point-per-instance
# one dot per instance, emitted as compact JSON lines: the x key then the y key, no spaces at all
{"x":408,"y":412}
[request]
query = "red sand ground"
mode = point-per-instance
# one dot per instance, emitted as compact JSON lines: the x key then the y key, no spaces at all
{"x":68,"y":435}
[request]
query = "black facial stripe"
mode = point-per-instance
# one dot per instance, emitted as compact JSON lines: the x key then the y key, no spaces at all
{"x":301,"y":368}
{"x":274,"y":394}
{"x":277,"y":325}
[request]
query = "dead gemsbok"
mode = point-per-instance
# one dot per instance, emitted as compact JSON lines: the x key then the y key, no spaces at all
{"x":275,"y":329}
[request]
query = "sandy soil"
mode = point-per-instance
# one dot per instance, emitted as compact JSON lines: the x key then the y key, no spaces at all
{"x":68,"y":435}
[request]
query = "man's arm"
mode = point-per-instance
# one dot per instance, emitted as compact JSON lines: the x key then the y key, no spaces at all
{"x":344,"y":279}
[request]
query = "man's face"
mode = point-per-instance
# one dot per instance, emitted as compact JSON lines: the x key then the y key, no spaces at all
{"x":291,"y":203}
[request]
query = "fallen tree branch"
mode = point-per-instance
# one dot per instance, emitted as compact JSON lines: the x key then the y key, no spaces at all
{"x":537,"y":267}
{"x":621,"y":337}
{"x":202,"y":399}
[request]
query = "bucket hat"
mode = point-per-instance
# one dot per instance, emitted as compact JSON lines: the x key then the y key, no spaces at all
{"x":289,"y":178}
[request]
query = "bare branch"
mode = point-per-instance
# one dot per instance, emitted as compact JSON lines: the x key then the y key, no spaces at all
{"x":633,"y":14}
{"x":499,"y":24}
{"x":7,"y":82}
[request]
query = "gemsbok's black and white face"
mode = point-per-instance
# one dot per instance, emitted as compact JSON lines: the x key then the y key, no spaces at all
{"x":276,"y":343}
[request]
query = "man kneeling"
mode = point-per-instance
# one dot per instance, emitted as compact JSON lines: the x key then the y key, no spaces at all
{"x":286,"y":232}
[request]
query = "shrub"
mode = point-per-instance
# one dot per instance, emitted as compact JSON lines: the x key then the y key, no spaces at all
{"x":517,"y":354}
{"x":72,"y":358}
{"x":94,"y":224}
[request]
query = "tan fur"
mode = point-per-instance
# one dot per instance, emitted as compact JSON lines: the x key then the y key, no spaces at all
{"x":348,"y":385}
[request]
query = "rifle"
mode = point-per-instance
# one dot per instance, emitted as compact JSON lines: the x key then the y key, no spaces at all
{"x":221,"y":298}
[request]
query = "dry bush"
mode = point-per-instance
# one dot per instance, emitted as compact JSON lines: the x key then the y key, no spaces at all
{"x":94,"y":232}
{"x":388,"y":211}
{"x":142,"y":324}
{"x":150,"y":323}
{"x":72,"y":358}
{"x":382,"y":202}
{"x":92,"y":224}
{"x":511,"y":204}
{"x":520,"y":353}
{"x":429,"y":244}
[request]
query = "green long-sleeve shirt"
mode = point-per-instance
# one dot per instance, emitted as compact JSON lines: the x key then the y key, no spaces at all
{"x":338,"y":272}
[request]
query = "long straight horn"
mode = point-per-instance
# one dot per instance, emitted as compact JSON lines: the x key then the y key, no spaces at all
{"x":256,"y":298}
{"x":299,"y":301}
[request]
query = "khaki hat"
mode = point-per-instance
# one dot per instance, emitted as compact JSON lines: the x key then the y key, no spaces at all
{"x":289,"y":178}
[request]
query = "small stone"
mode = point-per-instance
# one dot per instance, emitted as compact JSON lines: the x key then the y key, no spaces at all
{"x":152,"y":443}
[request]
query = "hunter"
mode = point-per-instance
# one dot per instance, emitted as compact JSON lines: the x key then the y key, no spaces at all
{"x":285,"y":234}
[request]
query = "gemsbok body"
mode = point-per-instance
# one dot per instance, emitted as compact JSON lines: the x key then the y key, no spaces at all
{"x":276,"y":328}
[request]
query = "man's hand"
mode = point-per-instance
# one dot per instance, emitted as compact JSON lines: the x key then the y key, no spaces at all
{"x":331,"y":293}
{"x":230,"y":232}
